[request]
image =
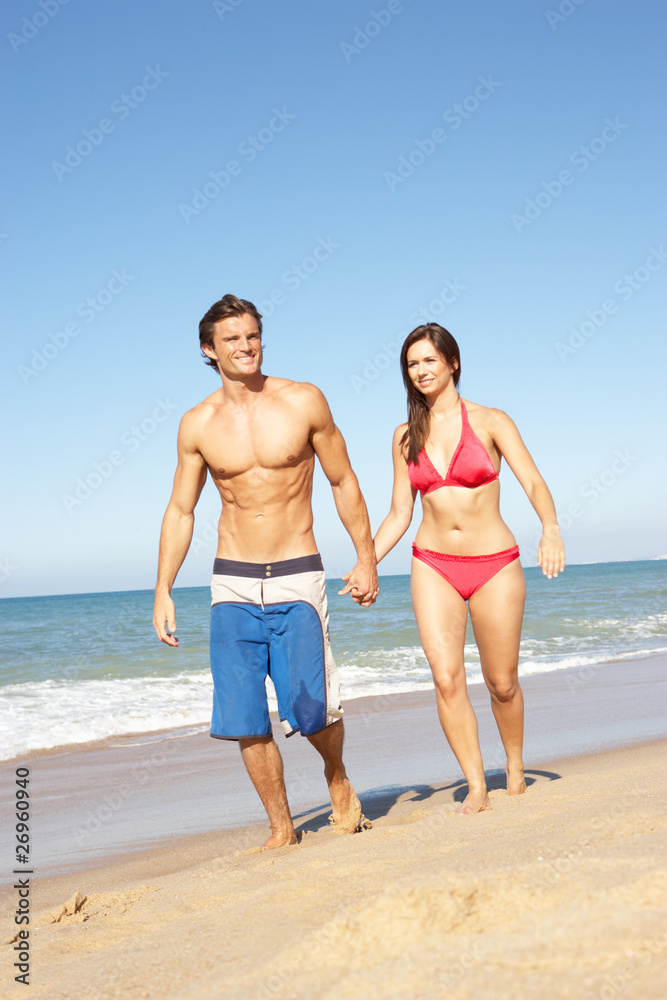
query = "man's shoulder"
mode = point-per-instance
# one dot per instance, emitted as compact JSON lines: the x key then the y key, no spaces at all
{"x":202,"y":411}
{"x":290,"y":387}
{"x":302,"y":394}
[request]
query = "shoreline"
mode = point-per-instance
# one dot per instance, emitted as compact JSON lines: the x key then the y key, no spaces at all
{"x":150,"y":736}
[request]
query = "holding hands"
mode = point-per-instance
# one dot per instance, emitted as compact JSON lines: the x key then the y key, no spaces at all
{"x":362,"y":583}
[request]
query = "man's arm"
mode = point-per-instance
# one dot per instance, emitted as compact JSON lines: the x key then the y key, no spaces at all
{"x":177,"y":527}
{"x":329,"y":446}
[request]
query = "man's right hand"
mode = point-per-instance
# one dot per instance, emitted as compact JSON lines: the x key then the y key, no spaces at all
{"x":164,"y":614}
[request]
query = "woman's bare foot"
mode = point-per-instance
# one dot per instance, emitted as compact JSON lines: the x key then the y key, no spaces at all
{"x":279,"y":839}
{"x":474,"y":802}
{"x":516,"y":783}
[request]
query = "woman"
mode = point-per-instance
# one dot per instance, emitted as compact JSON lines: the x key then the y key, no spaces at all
{"x":450,"y":451}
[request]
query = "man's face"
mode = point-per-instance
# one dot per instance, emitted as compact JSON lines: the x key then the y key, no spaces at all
{"x":237,"y":346}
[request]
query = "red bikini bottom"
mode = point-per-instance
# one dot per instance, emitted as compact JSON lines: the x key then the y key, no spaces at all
{"x":466,"y":573}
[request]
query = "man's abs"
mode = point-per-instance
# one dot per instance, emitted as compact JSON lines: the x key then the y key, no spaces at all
{"x":267,"y":516}
{"x":262,"y":461}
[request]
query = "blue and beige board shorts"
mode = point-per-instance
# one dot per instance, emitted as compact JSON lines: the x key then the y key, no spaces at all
{"x":271,"y":619}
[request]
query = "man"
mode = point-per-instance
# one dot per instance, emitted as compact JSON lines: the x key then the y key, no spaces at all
{"x":257,"y":436}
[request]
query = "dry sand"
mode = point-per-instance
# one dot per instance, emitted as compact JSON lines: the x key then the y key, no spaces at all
{"x":560,"y":893}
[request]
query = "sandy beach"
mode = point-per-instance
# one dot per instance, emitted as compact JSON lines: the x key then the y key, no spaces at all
{"x":559,"y":893}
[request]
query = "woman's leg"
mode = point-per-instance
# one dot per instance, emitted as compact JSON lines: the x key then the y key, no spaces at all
{"x":441,"y":615}
{"x":496,"y":612}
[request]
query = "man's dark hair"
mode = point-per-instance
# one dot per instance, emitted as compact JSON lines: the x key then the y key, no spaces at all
{"x":225,"y":307}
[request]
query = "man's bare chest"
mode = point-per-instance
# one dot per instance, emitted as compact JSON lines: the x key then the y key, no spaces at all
{"x":275,"y":440}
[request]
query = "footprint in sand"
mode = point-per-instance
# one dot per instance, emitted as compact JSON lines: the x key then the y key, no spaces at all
{"x":354,"y":822}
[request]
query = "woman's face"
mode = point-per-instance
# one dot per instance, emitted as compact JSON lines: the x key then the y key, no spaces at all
{"x":427,"y":368}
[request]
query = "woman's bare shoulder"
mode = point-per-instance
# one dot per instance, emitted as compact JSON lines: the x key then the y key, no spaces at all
{"x":489,"y":416}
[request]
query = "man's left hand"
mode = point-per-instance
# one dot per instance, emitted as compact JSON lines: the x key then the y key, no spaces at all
{"x":362,"y":583}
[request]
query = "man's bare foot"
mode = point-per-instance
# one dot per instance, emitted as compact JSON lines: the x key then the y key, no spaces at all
{"x":347,"y":816}
{"x":279,"y":839}
{"x":474,"y":802}
{"x":516,"y":783}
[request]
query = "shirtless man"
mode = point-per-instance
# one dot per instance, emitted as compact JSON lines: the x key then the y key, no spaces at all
{"x":257,"y":436}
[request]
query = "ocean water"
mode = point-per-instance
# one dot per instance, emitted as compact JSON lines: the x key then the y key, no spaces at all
{"x":88,"y":666}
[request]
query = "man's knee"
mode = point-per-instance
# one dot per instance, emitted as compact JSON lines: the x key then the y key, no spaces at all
{"x":253,"y":741}
{"x":330,"y":737}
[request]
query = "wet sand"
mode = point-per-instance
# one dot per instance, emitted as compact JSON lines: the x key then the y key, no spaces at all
{"x":128,"y":793}
{"x":558,"y":893}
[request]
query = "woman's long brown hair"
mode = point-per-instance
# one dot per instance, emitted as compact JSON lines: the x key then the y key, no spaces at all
{"x":419,"y":415}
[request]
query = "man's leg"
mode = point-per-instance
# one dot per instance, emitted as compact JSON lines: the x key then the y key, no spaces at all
{"x":264,"y":764}
{"x":346,"y":815}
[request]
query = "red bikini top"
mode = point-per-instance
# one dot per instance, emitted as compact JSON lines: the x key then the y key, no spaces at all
{"x":470,"y":465}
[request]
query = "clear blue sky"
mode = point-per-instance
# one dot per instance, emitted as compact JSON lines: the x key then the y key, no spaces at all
{"x":498,"y":165}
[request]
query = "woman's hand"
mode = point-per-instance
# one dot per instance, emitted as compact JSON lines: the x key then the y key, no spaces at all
{"x":550,"y":552}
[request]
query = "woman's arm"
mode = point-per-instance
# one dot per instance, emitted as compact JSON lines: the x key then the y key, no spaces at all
{"x":397,"y":521}
{"x":508,"y":441}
